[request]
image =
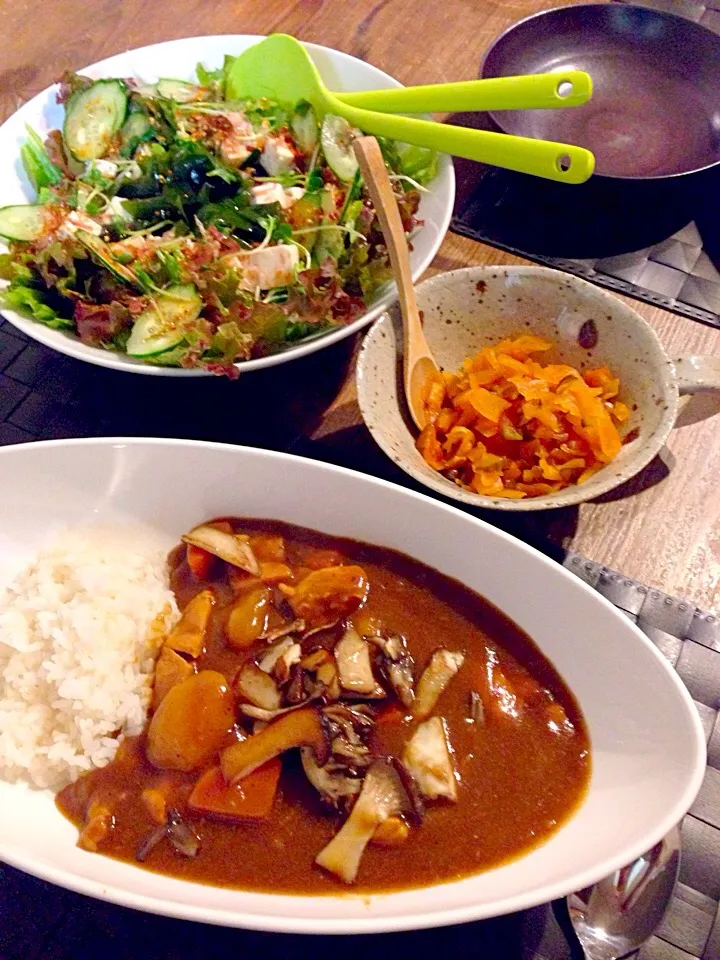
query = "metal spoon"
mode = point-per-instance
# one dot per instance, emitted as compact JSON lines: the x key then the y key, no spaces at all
{"x":418,"y":361}
{"x":620,"y":913}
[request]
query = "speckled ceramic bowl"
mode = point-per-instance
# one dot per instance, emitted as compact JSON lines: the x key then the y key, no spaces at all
{"x":465,"y":310}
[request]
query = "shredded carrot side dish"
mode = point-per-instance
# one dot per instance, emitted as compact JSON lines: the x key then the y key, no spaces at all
{"x":507,"y":426}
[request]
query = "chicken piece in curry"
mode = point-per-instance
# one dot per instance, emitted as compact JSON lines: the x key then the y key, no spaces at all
{"x":328,"y":713}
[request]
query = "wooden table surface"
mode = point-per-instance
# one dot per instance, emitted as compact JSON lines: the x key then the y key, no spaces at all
{"x":665,"y":528}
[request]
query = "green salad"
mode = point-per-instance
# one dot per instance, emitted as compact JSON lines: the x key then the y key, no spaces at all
{"x":188,"y":230}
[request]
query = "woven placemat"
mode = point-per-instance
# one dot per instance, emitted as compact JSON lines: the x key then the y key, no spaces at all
{"x":690,"y":639}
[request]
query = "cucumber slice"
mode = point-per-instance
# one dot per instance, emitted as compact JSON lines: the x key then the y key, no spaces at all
{"x":305,"y":127}
{"x":23,"y":222}
{"x":92,"y":118}
{"x":178,"y":90}
{"x":101,"y":253}
{"x":336,"y":137}
{"x":136,"y":128}
{"x":164,"y":325}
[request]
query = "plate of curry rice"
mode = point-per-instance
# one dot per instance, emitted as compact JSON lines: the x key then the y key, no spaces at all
{"x":327,"y":705}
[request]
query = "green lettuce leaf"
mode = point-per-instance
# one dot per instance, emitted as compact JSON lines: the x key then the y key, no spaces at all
{"x":419,"y":163}
{"x":373,"y":275}
{"x":229,"y":343}
{"x":28,"y":300}
{"x":12,"y":269}
{"x":207,"y":78}
{"x":215,"y":80}
{"x":119,"y":341}
{"x":40,"y":169}
{"x":299,"y":329}
{"x":170,"y":358}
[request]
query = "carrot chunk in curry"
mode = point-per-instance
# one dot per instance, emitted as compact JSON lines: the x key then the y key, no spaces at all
{"x":250,"y":800}
{"x":327,"y":712}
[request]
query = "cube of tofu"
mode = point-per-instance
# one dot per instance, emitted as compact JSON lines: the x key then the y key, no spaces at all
{"x":277,"y":157}
{"x":170,"y":669}
{"x":269,"y":267}
{"x":270,"y":192}
{"x":292,"y":194}
{"x":264,"y":193}
{"x":427,"y":759}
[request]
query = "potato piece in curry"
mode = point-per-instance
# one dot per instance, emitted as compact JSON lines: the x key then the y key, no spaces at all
{"x":328,"y":713}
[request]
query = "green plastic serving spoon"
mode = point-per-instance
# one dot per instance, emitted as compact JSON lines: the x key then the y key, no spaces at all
{"x":536,"y":91}
{"x":280,"y":68}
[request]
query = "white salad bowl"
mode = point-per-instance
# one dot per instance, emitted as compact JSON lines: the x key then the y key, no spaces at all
{"x":178,"y":59}
{"x":648,"y":753}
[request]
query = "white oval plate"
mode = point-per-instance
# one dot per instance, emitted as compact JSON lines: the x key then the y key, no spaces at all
{"x":647,"y":741}
{"x":178,"y":58}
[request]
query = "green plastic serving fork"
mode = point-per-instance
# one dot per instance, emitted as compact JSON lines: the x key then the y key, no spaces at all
{"x":280,"y":68}
{"x":535,"y":91}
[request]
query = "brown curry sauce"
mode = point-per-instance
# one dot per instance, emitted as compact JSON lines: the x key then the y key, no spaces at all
{"x":519,"y":777}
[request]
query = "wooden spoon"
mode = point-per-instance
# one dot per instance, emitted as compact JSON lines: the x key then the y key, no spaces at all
{"x":418,"y":361}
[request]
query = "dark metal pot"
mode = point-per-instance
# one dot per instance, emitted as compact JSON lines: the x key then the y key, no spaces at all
{"x":655,"y":111}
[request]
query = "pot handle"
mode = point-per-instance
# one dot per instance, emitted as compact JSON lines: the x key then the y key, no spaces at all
{"x":697,"y":374}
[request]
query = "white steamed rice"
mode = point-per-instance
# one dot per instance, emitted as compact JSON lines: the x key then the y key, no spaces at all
{"x":79,"y":630}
